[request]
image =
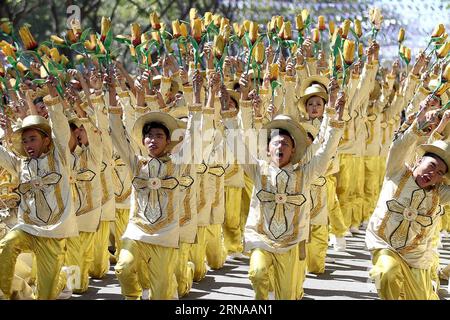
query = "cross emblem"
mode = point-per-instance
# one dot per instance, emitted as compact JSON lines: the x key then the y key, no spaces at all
{"x":154,"y":185}
{"x":281,"y":201}
{"x":408,"y":216}
{"x":36,"y":187}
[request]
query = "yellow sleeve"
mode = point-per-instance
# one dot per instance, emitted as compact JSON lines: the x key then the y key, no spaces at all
{"x":58,"y":121}
{"x":290,"y":101}
{"x":311,"y":65}
{"x":245,"y":115}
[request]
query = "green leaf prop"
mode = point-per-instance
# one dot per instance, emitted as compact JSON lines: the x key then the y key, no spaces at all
{"x":108,"y":40}
{"x":123,"y":40}
{"x":85,"y":34}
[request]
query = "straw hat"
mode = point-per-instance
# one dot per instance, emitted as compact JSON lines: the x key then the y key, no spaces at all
{"x":30,"y":122}
{"x":313,"y":90}
{"x":154,"y":116}
{"x":297,"y":133}
{"x":440,"y":148}
{"x":324,"y":81}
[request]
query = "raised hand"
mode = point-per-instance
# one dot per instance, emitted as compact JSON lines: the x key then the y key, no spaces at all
{"x":444,"y":122}
{"x":197,"y":83}
{"x":419,"y":64}
{"x":5,"y":123}
{"x":51,"y":85}
{"x":290,"y":67}
{"x":333,"y":89}
{"x":340,"y":104}
{"x":244,"y":85}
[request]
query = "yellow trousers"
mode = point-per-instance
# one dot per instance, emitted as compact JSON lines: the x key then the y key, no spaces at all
{"x":100,"y":265}
{"x":20,"y":288}
{"x":209,"y":248}
{"x":245,"y":204}
{"x":160,"y":265}
{"x":317,"y":249}
{"x":285,"y":277}
{"x":302,"y":269}
{"x":395,"y":280}
{"x":445,"y":221}
{"x":344,"y":187}
{"x":49,"y":254}
{"x":335,"y":217}
{"x":371,"y":185}
{"x":121,"y":223}
{"x":357,"y":198}
{"x":79,"y":258}
{"x":198,"y":253}
{"x":184,"y":270}
{"x":232,"y":225}
{"x":216,"y":253}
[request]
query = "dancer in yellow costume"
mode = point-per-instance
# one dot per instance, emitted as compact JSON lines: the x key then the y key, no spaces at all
{"x":211,"y":175}
{"x":9,"y":200}
{"x":184,"y":270}
{"x":100,"y":102}
{"x":152,"y":235}
{"x":274,"y":227}
{"x":400,"y":231}
{"x":121,"y":174}
{"x":46,"y":217}
{"x":85,"y":163}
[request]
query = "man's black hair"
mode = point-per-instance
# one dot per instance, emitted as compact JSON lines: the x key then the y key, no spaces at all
{"x":38,"y":100}
{"x":73,"y":126}
{"x":280,"y":132}
{"x":155,"y":125}
{"x":435,"y":156}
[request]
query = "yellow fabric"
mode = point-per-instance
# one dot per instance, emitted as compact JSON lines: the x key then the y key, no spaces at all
{"x":216,"y":254}
{"x":395,"y":280}
{"x":371,"y":185}
{"x":159,"y":263}
{"x":285,"y":276}
{"x":344,"y":187}
{"x":79,"y":258}
{"x":357,"y":193}
{"x":245,"y":204}
{"x":184,"y":271}
{"x":317,"y":249}
{"x":100,"y":265}
{"x":49,"y":254}
{"x":198,"y":253}
{"x":336,"y":219}
{"x":445,"y":221}
{"x":232,"y":226}
{"x":302,"y":269}
{"x":21,"y":289}
{"x":121,"y":222}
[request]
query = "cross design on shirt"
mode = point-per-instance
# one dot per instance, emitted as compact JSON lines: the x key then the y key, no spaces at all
{"x":408,"y":215}
{"x":154,"y":185}
{"x":37,"y":187}
{"x":282,"y":201}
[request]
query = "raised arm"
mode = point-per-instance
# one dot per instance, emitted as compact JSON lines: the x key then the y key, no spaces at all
{"x":320,"y":162}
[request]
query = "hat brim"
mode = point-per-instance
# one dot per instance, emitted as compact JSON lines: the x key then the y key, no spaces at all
{"x":324,"y":81}
{"x":429,"y":148}
{"x":297,"y":133}
{"x":154,"y":116}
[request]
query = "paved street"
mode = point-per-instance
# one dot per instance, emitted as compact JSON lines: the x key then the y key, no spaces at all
{"x":345,"y":278}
